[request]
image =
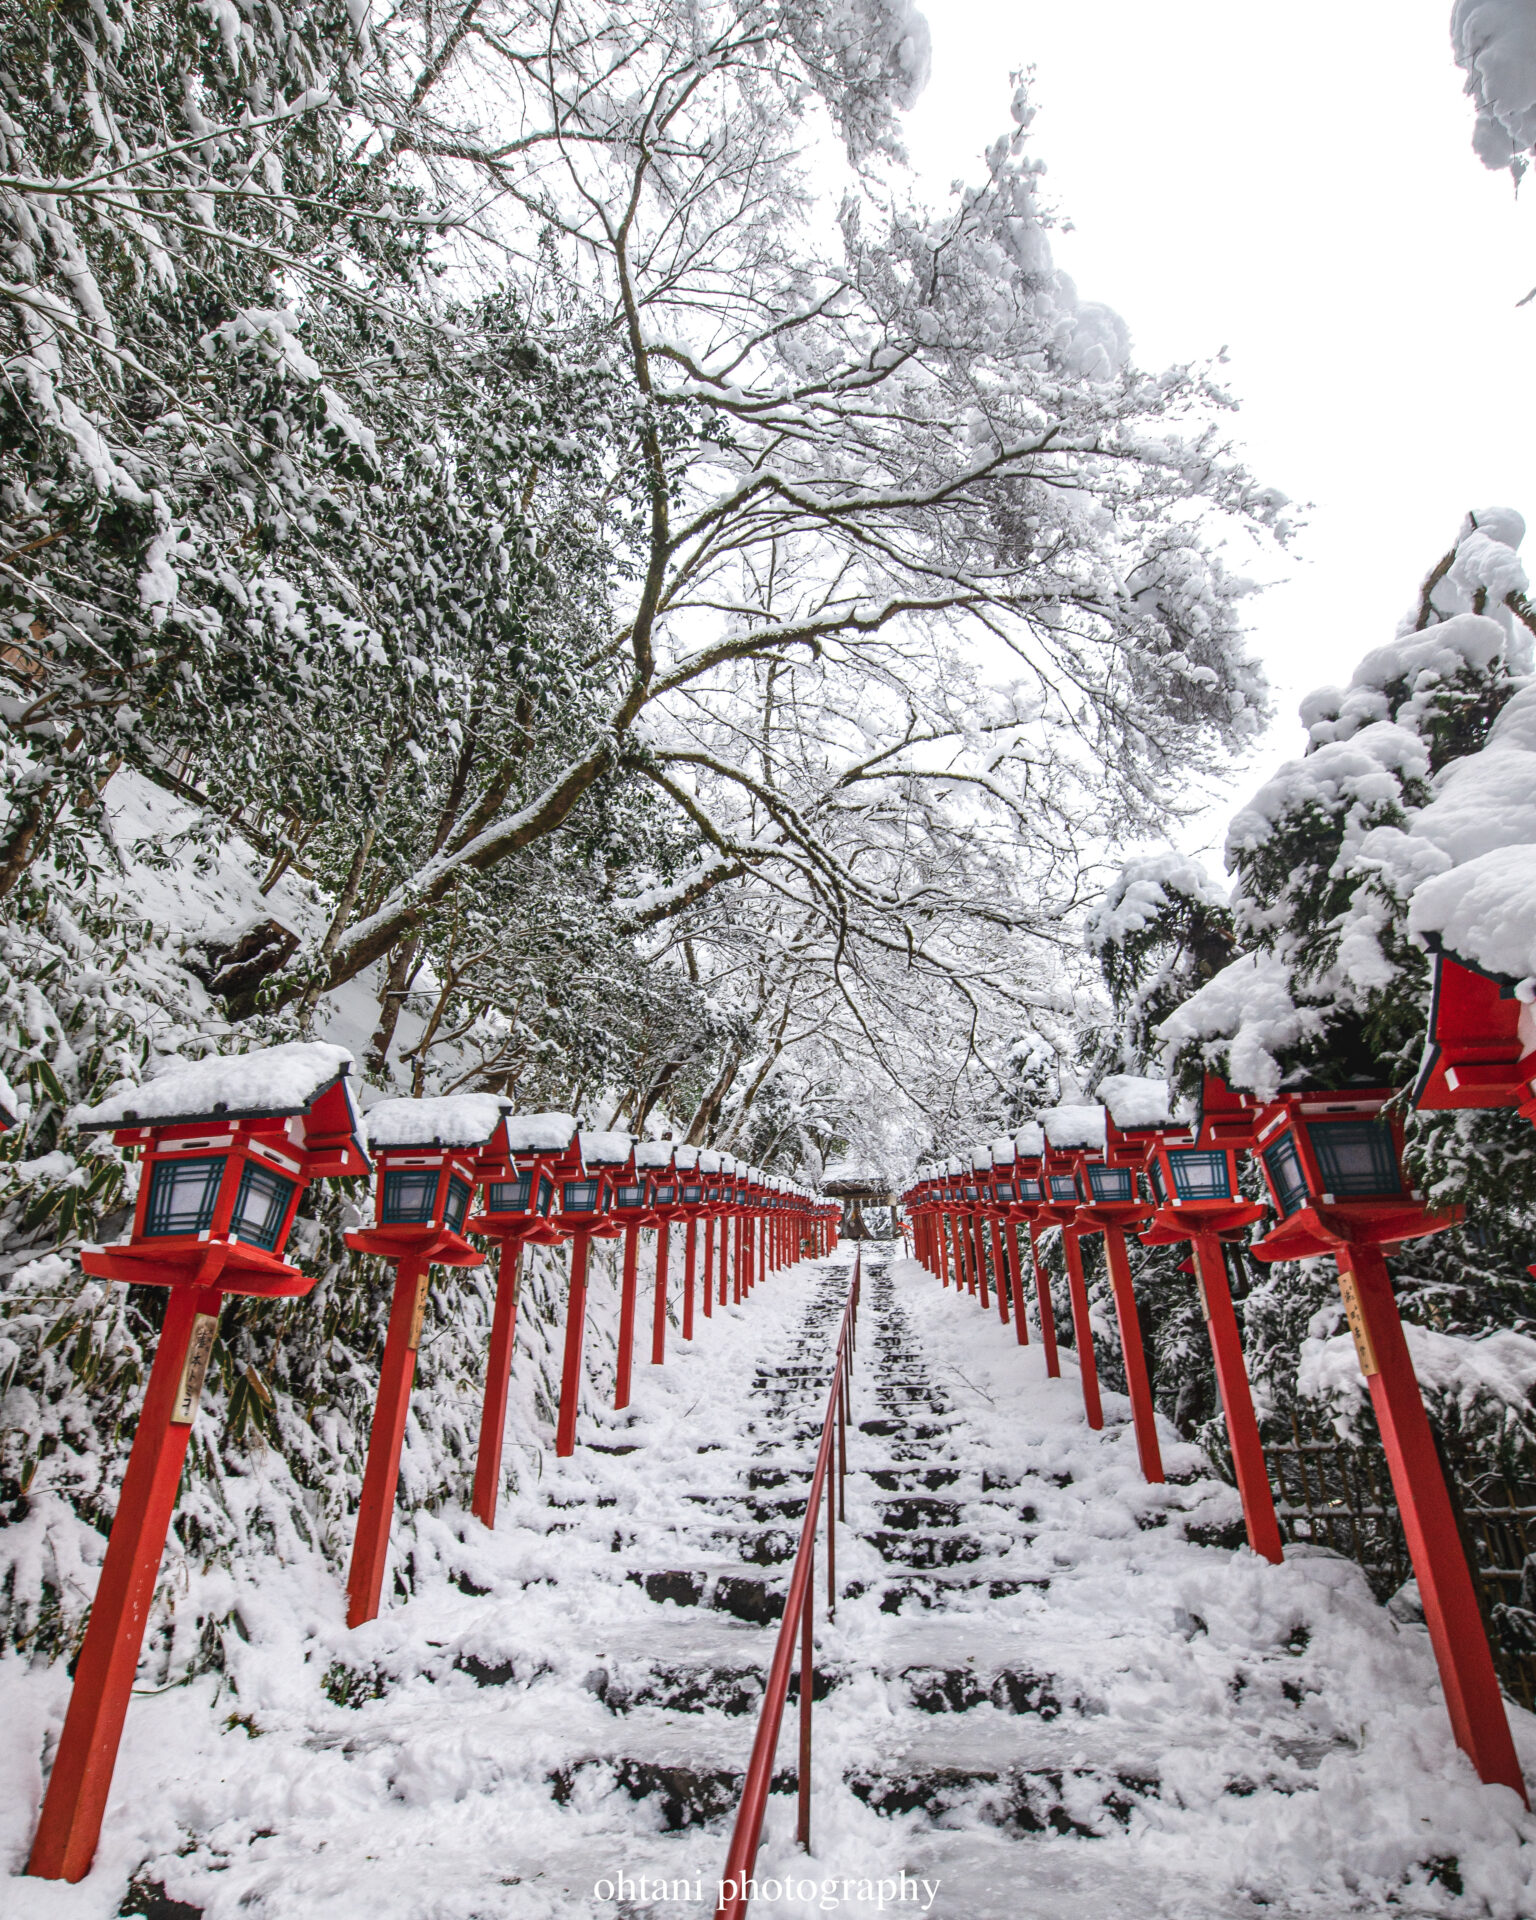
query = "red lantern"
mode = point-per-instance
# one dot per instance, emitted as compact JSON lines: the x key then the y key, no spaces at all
{"x":1029,"y":1204}
{"x":1482,"y":1043}
{"x":1193,"y":1174}
{"x":1108,"y":1175}
{"x":583,"y":1212}
{"x":427,"y":1154}
{"x":1332,"y":1161}
{"x":226,"y":1148}
{"x":516,"y":1172}
{"x":1069,"y":1131}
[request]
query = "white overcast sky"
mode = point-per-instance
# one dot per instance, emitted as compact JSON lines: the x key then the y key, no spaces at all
{"x":1296,"y":185}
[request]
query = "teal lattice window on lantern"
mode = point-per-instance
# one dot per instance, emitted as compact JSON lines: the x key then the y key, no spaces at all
{"x":1004,"y":1191}
{"x":458,"y":1203}
{"x":1199,"y":1175}
{"x":1112,"y":1183}
{"x":261,"y":1205}
{"x":409,"y":1197}
{"x":546,"y":1194}
{"x":665,"y":1196}
{"x":182,"y":1194}
{"x":1356,"y":1158}
{"x":693,"y":1195}
{"x":1285,"y":1174}
{"x":1155,"y":1175}
{"x":580,"y":1196}
{"x":509,"y":1196}
{"x":1029,"y":1189}
{"x":1063,"y":1186}
{"x":627,"y":1199}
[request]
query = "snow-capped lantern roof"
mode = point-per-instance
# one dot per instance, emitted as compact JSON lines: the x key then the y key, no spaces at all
{"x":1029,"y":1141}
{"x":606,"y":1149}
{"x":686,"y":1159}
{"x":1136,"y":1103}
{"x":268,"y":1083}
{"x":443,"y":1120}
{"x":981,"y":1159}
{"x":542,"y":1133}
{"x":1002,"y":1152}
{"x":227,"y":1146}
{"x":651,"y":1156}
{"x":1074,"y":1127}
{"x":709,"y":1160}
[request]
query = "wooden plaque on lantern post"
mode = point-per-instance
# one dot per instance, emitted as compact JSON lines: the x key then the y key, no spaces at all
{"x":225,"y":1149}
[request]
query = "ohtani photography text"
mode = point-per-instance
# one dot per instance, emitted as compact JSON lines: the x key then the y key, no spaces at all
{"x":897,"y":1890}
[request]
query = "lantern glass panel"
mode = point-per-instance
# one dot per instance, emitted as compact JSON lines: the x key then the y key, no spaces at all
{"x":629,"y":1198}
{"x":509,"y":1196}
{"x":458,"y":1203}
{"x":546,"y":1193}
{"x":693,"y":1195}
{"x":580,"y":1196}
{"x":1356,"y":1157}
{"x":1005,"y":1190}
{"x":972,"y":1193}
{"x":409,"y":1197}
{"x":261,"y":1206}
{"x":1155,"y":1175}
{"x":1285,"y":1175}
{"x":1112,"y":1183}
{"x":1063,"y":1186}
{"x":665,"y":1196}
{"x":1199,"y":1174}
{"x":1029,"y":1189}
{"x":182,"y":1194}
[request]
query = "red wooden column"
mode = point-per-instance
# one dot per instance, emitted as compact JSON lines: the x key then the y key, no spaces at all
{"x":690,"y":1245}
{"x":999,"y":1270}
{"x":943,"y":1241}
{"x":741,"y":1242}
{"x":82,"y":1769}
{"x":575,"y":1335}
{"x":498,"y":1381}
{"x":376,"y":1509}
{"x":1046,"y":1310}
{"x":709,"y":1266}
{"x":1082,"y":1329}
{"x":1451,"y":1612}
{"x":1137,"y":1379}
{"x":629,"y":1289}
{"x":979,"y":1255}
{"x":1236,"y":1397}
{"x":659,"y":1309}
{"x":1016,"y":1282}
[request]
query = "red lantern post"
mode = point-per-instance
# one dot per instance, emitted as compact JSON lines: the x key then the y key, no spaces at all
{"x":1332,"y":1162}
{"x":226,"y":1148}
{"x":1108,"y":1174}
{"x":1193,"y":1176}
{"x":1063,"y":1195}
{"x":1029,"y":1200}
{"x":654,"y":1160}
{"x":690,"y":1193}
{"x":426,"y":1153}
{"x":583,"y":1201}
{"x":516,"y":1172}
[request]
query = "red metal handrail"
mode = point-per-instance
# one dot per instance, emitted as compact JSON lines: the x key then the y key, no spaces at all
{"x":799,"y":1608}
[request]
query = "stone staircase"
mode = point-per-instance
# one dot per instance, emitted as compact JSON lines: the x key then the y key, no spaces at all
{"x":557,"y":1723}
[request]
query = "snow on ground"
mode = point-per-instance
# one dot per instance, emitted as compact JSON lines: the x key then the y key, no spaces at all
{"x":1214,"y":1737}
